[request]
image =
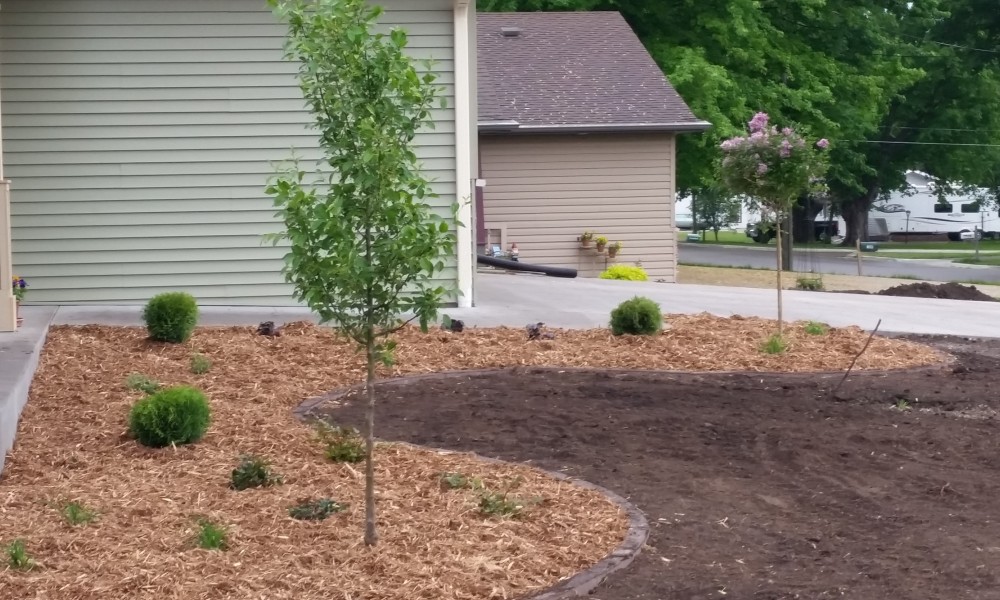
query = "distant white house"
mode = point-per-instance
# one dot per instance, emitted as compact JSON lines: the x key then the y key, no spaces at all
{"x":918,"y":210}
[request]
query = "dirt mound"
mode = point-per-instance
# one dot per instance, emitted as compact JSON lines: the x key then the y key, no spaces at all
{"x":946,"y":291}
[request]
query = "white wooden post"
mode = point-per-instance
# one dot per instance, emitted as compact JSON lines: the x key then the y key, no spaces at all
{"x":8,"y":305}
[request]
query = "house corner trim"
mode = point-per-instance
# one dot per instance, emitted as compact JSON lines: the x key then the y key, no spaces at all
{"x":464,"y":130}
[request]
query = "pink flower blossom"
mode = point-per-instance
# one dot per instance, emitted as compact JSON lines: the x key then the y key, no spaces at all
{"x":823,"y":143}
{"x":759,"y":122}
{"x":787,"y":131}
{"x":761,"y":169}
{"x":786,"y":149}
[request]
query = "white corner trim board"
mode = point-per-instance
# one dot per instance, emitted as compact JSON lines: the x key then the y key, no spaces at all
{"x":463,"y":152}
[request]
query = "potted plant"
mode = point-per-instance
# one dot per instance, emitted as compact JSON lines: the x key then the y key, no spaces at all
{"x":585,"y":239}
{"x":601,"y":243}
{"x":614,"y":249}
{"x":19,"y":287}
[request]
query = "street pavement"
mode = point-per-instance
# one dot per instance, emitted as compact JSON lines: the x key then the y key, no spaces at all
{"x":840,"y":262}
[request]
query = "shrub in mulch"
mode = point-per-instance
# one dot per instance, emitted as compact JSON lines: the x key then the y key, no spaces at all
{"x":177,"y":415}
{"x":171,"y":317}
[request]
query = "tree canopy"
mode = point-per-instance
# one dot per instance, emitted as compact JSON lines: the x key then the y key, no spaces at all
{"x":894,"y":84}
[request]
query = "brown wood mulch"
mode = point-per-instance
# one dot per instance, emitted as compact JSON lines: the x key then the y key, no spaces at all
{"x":73,"y":446}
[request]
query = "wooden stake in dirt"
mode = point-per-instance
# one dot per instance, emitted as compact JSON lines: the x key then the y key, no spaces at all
{"x":856,"y":357}
{"x":781,"y":320}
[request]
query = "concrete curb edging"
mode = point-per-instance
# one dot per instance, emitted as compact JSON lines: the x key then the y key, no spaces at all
{"x":577,"y":585}
{"x":20,"y":353}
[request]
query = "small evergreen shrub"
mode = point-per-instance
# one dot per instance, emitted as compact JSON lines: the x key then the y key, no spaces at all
{"x":18,"y":557}
{"x":212,"y":536}
{"x":137,"y":382}
{"x":171,"y":317}
{"x":638,"y":316}
{"x":625,"y":273}
{"x":809,"y":284}
{"x":200,"y":364}
{"x":342,"y":444}
{"x":253,"y":472}
{"x":815,"y":328}
{"x":315,"y":510}
{"x":76,"y":513}
{"x":178,"y":415}
{"x":774,"y":345}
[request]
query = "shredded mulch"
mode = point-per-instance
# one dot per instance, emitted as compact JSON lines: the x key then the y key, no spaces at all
{"x":72,"y":446}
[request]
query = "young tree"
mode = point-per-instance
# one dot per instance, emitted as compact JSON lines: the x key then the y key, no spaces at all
{"x":712,"y":208}
{"x":365,"y":243}
{"x":773,"y":168}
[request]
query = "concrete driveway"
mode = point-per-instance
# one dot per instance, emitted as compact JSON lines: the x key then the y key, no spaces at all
{"x":517,"y":300}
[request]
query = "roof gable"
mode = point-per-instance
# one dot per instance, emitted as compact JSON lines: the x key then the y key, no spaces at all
{"x":572,"y":71}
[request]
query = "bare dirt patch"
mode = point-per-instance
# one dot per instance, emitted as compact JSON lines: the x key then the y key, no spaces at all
{"x":946,"y":291}
{"x":757,"y":486}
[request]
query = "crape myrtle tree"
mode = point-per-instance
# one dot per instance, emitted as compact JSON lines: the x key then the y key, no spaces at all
{"x":365,"y":245}
{"x":773,"y":168}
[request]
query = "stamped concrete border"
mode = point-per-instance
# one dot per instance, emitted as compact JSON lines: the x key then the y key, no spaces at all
{"x":575,"y":586}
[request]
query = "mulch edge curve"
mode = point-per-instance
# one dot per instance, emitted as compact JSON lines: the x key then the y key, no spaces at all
{"x":580,"y":584}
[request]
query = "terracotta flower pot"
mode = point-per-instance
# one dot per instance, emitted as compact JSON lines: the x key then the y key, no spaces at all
{"x":600,"y":247}
{"x":584,"y":243}
{"x":20,"y":319}
{"x":612,"y":252}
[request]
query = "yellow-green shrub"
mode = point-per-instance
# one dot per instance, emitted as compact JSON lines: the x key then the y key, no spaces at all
{"x":625,"y":273}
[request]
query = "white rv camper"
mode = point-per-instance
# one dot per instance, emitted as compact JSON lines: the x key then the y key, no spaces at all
{"x":920,"y":210}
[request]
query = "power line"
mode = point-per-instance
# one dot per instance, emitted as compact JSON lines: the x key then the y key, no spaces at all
{"x":938,"y":129}
{"x":922,"y":143}
{"x":900,"y":34}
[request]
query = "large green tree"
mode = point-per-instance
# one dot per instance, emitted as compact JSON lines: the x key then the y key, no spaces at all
{"x":895,"y":84}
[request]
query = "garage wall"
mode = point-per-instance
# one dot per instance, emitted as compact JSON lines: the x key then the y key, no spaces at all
{"x":140,"y":135}
{"x":544,"y":191}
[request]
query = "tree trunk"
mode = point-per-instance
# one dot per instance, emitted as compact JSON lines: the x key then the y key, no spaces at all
{"x":371,"y":534}
{"x":787,"y":247}
{"x":851,"y":213}
{"x":804,"y":215}
{"x":777,"y":223}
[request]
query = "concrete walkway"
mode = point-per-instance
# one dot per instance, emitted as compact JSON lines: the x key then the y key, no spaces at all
{"x":516,"y":300}
{"x":521,"y":299}
{"x":19,"y":353}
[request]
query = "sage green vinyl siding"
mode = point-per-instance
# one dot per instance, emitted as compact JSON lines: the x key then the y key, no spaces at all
{"x":544,"y":191}
{"x":140,"y":134}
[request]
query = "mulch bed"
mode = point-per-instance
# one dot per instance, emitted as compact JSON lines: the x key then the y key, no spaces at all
{"x":943,"y":291}
{"x":72,"y":446}
{"x":758,"y":486}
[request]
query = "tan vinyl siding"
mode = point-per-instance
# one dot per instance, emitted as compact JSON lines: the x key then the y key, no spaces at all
{"x":140,"y":134}
{"x":547,"y":190}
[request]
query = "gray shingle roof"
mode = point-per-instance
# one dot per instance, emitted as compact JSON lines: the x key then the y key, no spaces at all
{"x":572,"y":71}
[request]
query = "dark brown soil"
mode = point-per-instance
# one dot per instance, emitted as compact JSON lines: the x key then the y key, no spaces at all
{"x":944,"y":291}
{"x":757,"y":486}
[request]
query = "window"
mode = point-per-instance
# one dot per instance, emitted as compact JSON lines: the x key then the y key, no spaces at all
{"x":943,"y":207}
{"x":972,"y":207}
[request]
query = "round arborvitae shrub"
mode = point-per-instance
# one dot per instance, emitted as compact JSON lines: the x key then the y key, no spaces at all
{"x":625,"y":273}
{"x":178,"y":415}
{"x":171,"y":317}
{"x":638,"y":316}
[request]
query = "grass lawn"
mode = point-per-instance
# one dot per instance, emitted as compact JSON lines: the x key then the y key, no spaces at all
{"x":764,"y":278}
{"x":987,"y":259}
{"x":957,"y":257}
